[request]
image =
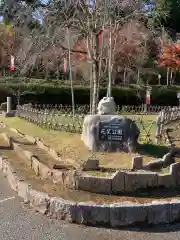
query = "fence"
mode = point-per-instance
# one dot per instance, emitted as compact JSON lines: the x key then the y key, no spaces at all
{"x":85,"y":109}
{"x":152,"y":124}
{"x":164,"y":123}
{"x":60,"y":118}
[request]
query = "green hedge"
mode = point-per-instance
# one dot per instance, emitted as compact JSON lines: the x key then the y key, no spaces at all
{"x":61,"y":94}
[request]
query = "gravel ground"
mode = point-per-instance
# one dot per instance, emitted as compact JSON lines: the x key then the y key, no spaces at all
{"x":17,"y":222}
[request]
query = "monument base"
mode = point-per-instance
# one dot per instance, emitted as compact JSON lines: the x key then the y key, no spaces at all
{"x":9,"y":114}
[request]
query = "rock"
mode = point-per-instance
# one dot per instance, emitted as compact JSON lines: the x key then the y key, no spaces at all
{"x":110,"y":133}
{"x":44,"y":171}
{"x":118,"y":182}
{"x":174,"y":212}
{"x":175,"y":152}
{"x":166,"y":180}
{"x":61,"y":209}
{"x":39,"y":201}
{"x":137,"y":162}
{"x":63,"y":166}
{"x":140,"y":180}
{"x":10,"y":114}
{"x":89,"y":136}
{"x":57,"y":177}
{"x":175,"y":172}
{"x":95,"y":184}
{"x":106,"y":106}
{"x":12,"y":179}
{"x":90,"y":213}
{"x":158,"y":212}
{"x":154,"y":165}
{"x":167,"y":159}
{"x":35,"y":165}
{"x":24,"y":191}
{"x":30,"y":139}
{"x":125,"y":214}
{"x":91,"y":164}
{"x":69,"y":178}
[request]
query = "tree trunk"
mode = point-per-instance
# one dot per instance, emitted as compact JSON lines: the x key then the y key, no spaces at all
{"x":167,"y":78}
{"x":138,"y":77}
{"x":110,"y":62}
{"x":70,"y":73}
{"x":124,"y":76}
{"x":95,"y":86}
{"x":171,"y":77}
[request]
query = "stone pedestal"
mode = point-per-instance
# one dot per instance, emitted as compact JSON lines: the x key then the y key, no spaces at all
{"x":8,"y":104}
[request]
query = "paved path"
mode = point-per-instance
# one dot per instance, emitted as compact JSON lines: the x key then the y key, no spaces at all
{"x":18,"y":222}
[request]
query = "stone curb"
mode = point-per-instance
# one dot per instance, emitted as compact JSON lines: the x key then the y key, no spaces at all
{"x":37,"y":141}
{"x":56,"y":176}
{"x":119,"y":182}
{"x":113,"y":215}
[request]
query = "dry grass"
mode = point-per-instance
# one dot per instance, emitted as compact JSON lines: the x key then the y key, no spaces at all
{"x":69,"y":145}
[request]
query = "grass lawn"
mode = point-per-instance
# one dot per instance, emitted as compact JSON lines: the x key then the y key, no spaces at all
{"x":69,"y":145}
{"x":146,"y":123}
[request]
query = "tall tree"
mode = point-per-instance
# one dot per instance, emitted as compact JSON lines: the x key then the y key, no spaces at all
{"x":165,"y":13}
{"x":88,"y":22}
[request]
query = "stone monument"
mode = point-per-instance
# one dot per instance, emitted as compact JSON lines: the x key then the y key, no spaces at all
{"x":107,"y":131}
{"x":8,"y":104}
{"x":9,"y":112}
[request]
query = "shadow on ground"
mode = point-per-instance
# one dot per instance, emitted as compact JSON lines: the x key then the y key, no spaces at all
{"x":156,"y":151}
{"x":5,"y":148}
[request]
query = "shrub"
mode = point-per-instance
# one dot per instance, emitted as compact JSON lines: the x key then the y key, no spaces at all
{"x":50,"y":93}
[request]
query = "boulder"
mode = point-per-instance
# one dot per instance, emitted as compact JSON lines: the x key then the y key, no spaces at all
{"x":156,"y":164}
{"x":91,"y":164}
{"x":168,"y":159}
{"x":110,"y":133}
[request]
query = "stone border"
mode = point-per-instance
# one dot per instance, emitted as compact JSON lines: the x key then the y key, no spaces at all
{"x":113,"y":215}
{"x":128,"y":182}
{"x":54,"y":154}
{"x":119,"y":182}
{"x":65,"y":177}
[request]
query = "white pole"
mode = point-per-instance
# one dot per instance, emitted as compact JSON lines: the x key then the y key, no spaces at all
{"x":8,"y":104}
